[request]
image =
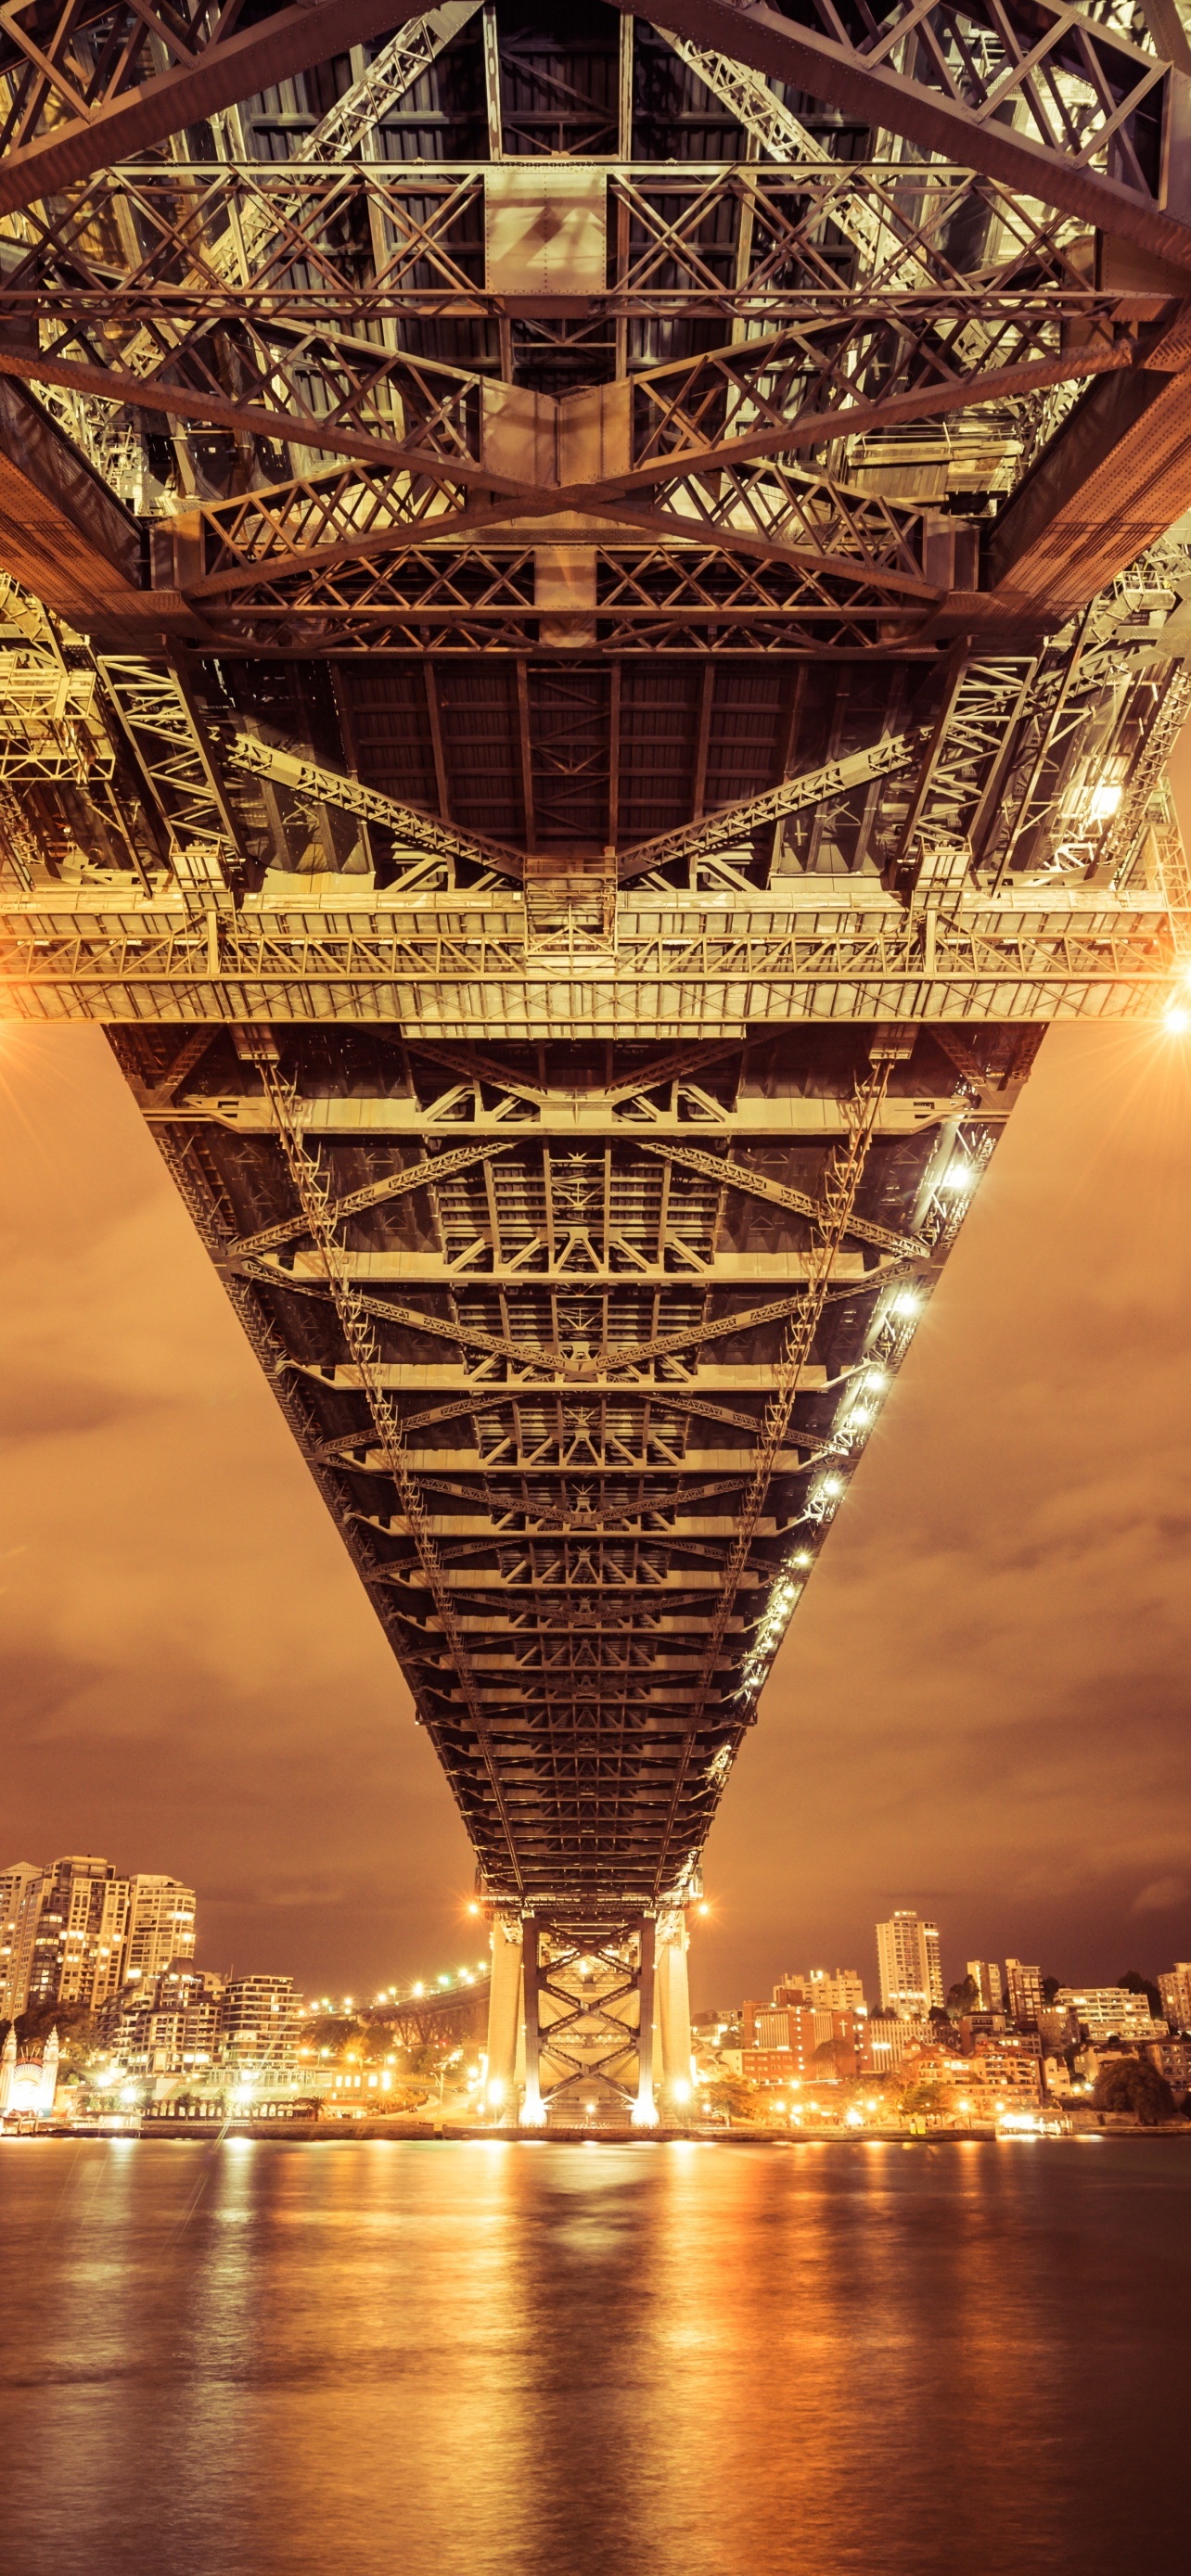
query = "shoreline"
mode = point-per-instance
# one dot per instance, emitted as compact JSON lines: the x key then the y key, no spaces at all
{"x":445,"y":2133}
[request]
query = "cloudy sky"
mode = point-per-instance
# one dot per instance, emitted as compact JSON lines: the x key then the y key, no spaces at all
{"x":981,"y":1707}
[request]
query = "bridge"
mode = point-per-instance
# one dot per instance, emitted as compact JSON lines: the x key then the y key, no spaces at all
{"x":593,"y":616}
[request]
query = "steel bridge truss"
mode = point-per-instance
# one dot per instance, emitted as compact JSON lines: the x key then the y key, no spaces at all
{"x":591,"y":622}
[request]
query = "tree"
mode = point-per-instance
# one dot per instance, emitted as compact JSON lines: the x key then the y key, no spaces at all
{"x":920,"y":2096}
{"x":1132,"y":2084}
{"x":1050,"y":1988}
{"x":729,"y":2093}
{"x":963,"y":1998}
{"x":78,"y":2036}
{"x":1133,"y":1983}
{"x":334,"y":2032}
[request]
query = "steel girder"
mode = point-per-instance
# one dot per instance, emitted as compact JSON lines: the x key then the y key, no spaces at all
{"x":117,"y":963}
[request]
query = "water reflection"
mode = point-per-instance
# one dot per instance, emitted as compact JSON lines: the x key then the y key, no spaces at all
{"x":493,"y":2359}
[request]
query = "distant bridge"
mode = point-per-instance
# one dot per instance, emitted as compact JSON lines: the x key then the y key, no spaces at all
{"x":592,"y":622}
{"x":448,"y":2019}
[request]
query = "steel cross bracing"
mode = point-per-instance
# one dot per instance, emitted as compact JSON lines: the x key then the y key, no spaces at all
{"x":597,"y":615}
{"x":1100,"y":101}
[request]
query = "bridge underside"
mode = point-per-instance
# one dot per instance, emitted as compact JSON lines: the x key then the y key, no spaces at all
{"x":582,"y":1343}
{"x":591,"y":619}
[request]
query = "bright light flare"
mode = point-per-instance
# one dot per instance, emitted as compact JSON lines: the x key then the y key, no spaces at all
{"x":1176,"y":1020}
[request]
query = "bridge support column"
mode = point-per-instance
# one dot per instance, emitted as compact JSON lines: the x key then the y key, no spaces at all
{"x":504,"y":2012}
{"x":674,"y":2011}
{"x":644,"y":2114}
{"x":532,"y":2115}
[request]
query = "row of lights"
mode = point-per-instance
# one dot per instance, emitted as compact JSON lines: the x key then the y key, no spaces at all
{"x":862,"y":1401}
{"x":393,"y":1994}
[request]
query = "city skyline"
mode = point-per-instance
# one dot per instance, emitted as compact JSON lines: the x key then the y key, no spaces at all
{"x":977,"y":1710}
{"x":156,"y":1919}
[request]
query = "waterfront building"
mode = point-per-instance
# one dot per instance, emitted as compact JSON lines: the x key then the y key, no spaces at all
{"x":1175,"y":1990}
{"x":986,"y":1977}
{"x":996,"y":2079}
{"x":909,"y":1964}
{"x":259,"y":2020}
{"x":1111,"y":2012}
{"x":161,"y":1926}
{"x":174,"y":2025}
{"x":1016,"y":2071}
{"x":28,"y":2083}
{"x":1025,"y":1996}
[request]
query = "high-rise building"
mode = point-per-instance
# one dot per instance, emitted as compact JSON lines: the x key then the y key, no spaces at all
{"x":986,"y":1977}
{"x":161,"y":1927}
{"x":16,"y":1938}
{"x":1175,"y":1990}
{"x":77,"y":1931}
{"x":910,"y":1964}
{"x":1025,"y":1996}
{"x":78,"y":1934}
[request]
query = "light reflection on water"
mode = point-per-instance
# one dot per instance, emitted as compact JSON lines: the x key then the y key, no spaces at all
{"x":492,"y":2360}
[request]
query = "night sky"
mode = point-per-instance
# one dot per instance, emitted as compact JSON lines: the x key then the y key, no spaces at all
{"x":980,"y":1709}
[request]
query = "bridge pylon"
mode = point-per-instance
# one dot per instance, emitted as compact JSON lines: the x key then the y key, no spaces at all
{"x":581,"y":2016}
